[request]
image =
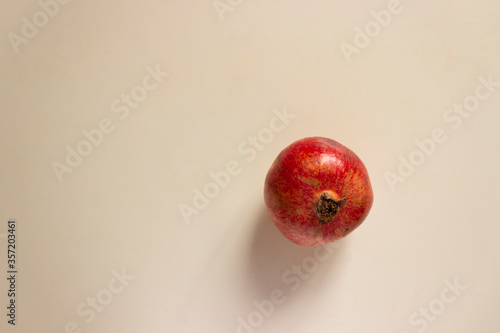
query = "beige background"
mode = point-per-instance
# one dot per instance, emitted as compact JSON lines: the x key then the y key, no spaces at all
{"x":118,"y":210}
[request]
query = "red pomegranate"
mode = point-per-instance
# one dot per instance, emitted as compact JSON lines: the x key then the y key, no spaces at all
{"x":317,"y":191}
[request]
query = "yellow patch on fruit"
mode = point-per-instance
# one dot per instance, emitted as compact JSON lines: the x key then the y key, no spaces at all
{"x":355,"y":180}
{"x":311,"y":181}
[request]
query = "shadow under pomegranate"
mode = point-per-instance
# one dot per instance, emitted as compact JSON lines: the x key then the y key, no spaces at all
{"x":276,"y":263}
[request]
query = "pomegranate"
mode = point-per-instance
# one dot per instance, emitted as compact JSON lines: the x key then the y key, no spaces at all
{"x":317,"y":191}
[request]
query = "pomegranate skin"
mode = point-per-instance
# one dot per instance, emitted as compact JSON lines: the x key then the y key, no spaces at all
{"x":317,"y":191}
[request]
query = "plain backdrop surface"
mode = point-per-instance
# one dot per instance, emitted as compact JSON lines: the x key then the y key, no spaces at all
{"x":118,"y":116}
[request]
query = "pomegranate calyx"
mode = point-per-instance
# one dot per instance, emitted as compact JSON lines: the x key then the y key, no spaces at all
{"x":327,"y":207}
